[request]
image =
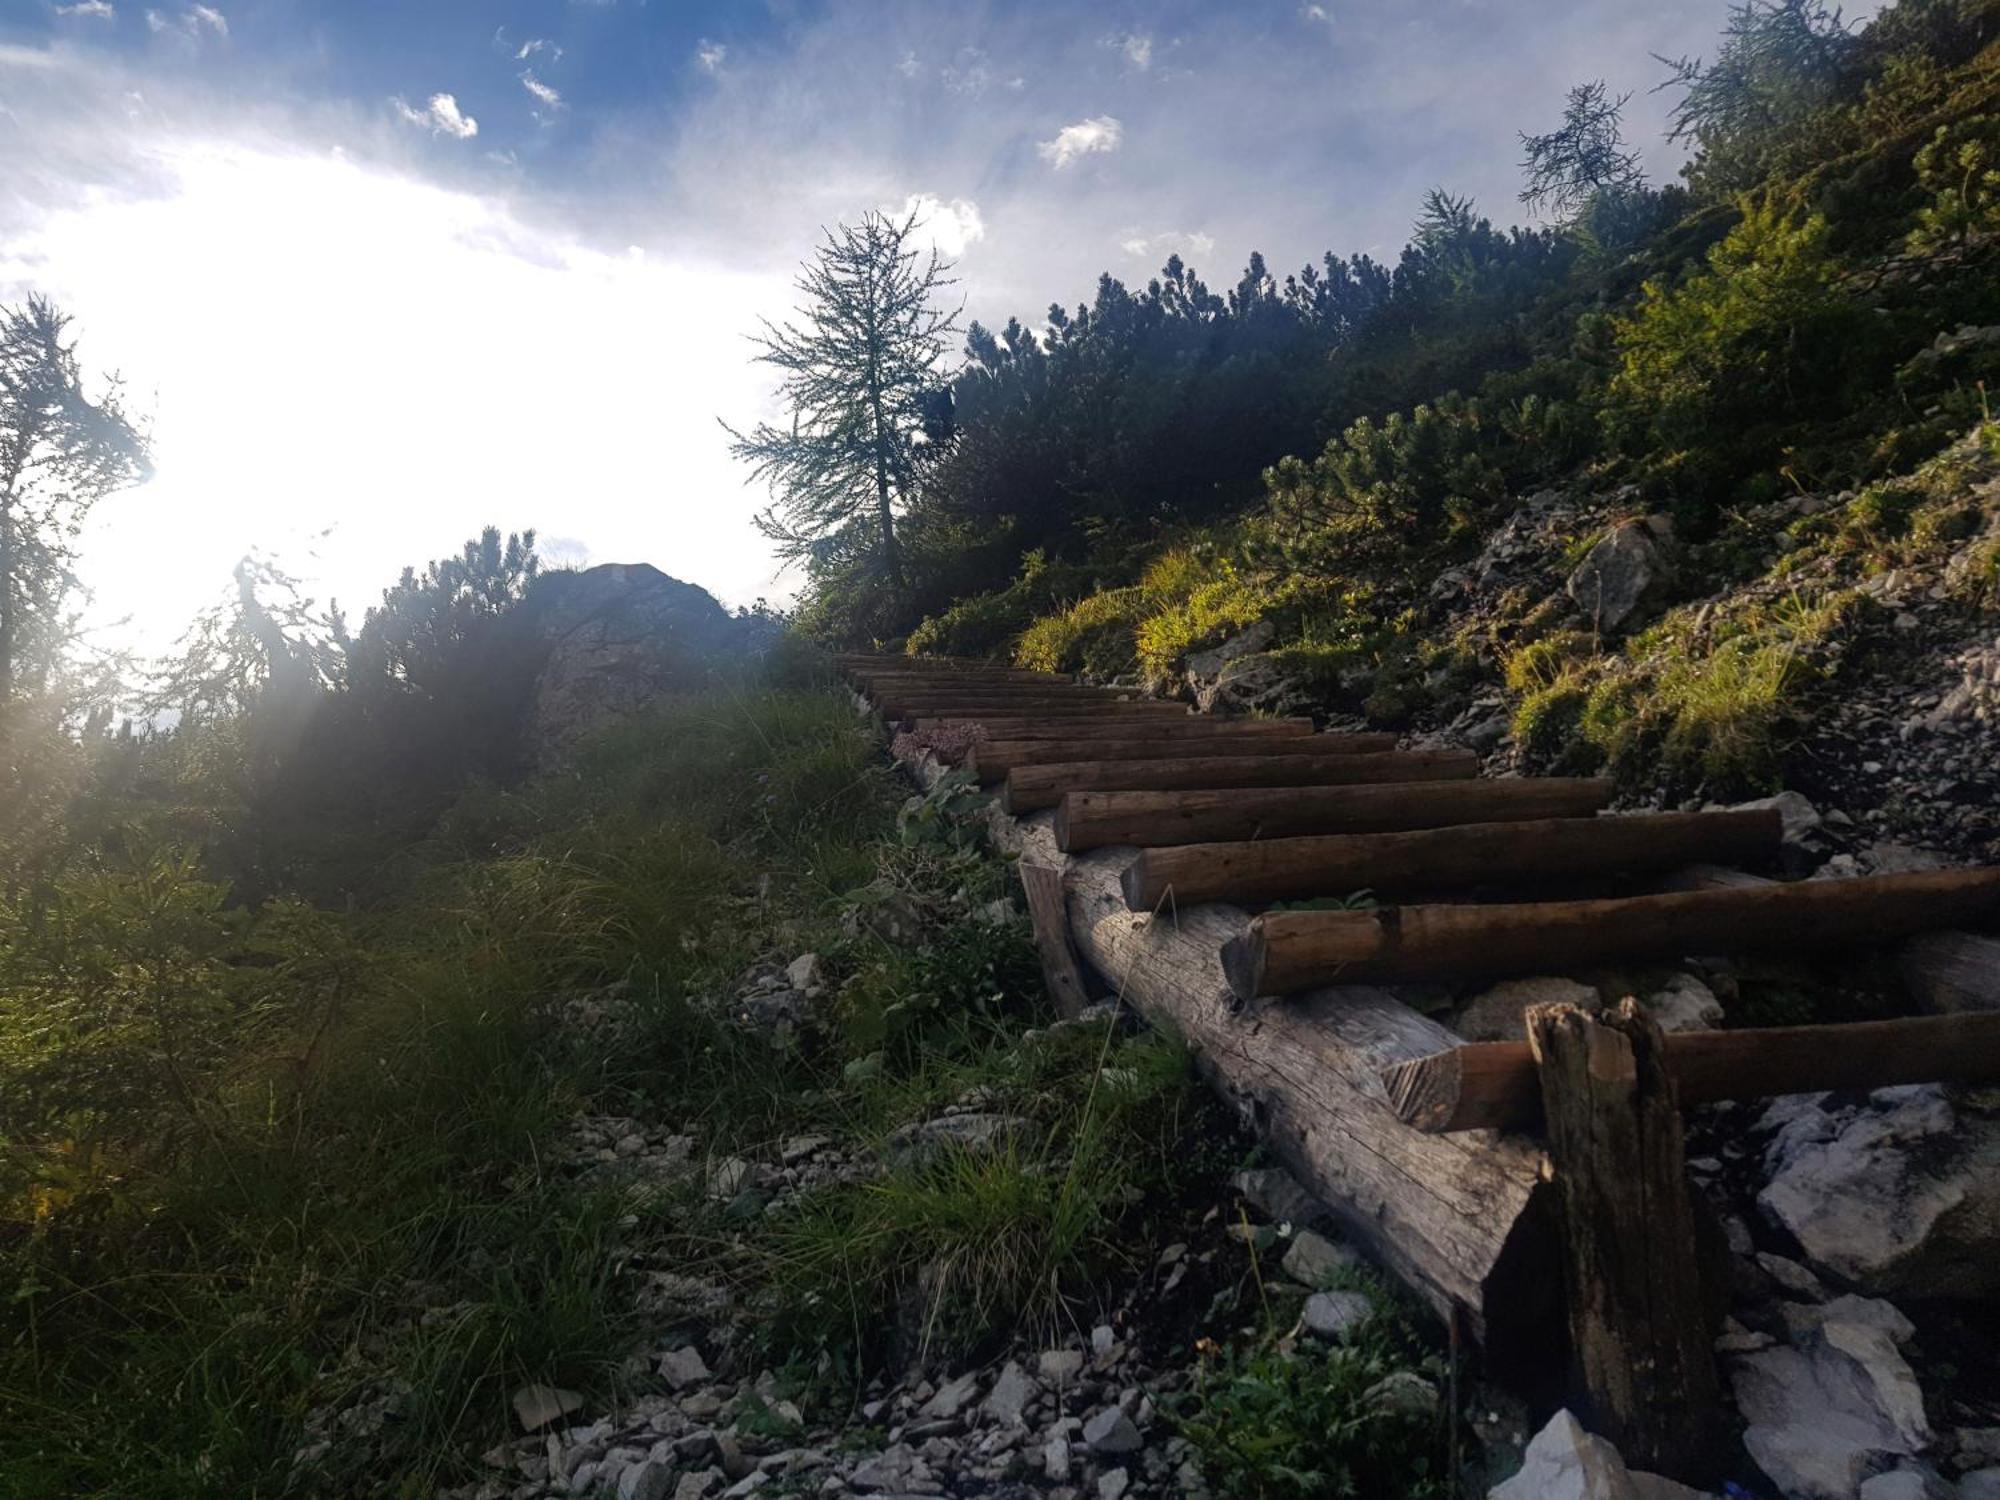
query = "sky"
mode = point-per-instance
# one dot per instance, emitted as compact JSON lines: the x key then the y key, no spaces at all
{"x":380,"y":272}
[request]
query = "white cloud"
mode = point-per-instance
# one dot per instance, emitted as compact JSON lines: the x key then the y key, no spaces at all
{"x":1317,"y":13}
{"x":948,"y":226}
{"x":910,"y":66}
{"x":972,"y":76}
{"x":710,"y":55}
{"x":1137,"y":47}
{"x":102,"y":10}
{"x":191,"y":22}
{"x":538,"y":44}
{"x":1155,"y":248}
{"x":1084,"y":138}
{"x":441,"y":116}
{"x":547,"y":97}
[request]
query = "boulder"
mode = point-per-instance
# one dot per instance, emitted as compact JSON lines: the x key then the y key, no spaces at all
{"x":1499,"y":1014}
{"x":1007,"y":1403}
{"x":1828,"y":1408}
{"x":611,"y":641}
{"x":1684,"y":1003}
{"x":1899,"y":1193}
{"x":1563,"y":1462}
{"x":1627,"y":569}
{"x":1112,"y":1432}
{"x":1908,"y":1484}
{"x":1313,"y":1259}
{"x":1796,"y":816}
{"x":1335,"y":1315}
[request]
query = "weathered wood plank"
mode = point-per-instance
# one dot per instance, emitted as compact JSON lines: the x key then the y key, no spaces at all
{"x":1031,"y":788}
{"x":1464,"y":1226}
{"x":1285,"y":951}
{"x":1091,"y":820}
{"x":1424,"y":860}
{"x":1048,"y":914}
{"x":1641,"y":1335}
{"x":1492,"y":1085}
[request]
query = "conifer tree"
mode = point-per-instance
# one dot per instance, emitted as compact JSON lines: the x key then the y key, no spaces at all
{"x":60,"y":453}
{"x":861,"y":380}
{"x":1584,"y":159}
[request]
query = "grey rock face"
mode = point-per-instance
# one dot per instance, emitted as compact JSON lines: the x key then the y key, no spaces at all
{"x":1900,"y":1194}
{"x":1827,"y":1408}
{"x":1624,"y":571}
{"x":1563,"y":1462}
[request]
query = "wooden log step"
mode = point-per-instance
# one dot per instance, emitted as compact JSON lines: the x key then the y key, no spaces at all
{"x":897,"y":698}
{"x":1493,"y":1085}
{"x":1092,"y":820}
{"x":1943,"y":971}
{"x":1101,"y":709}
{"x":1186,"y":726}
{"x":1286,"y":951}
{"x":1030,"y":788}
{"x":993,"y":758}
{"x":1417,"y":861}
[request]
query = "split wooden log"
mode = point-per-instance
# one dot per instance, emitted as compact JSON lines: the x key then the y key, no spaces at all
{"x":1092,"y":820}
{"x":1458,"y":858}
{"x":1945,"y":972}
{"x":1031,"y":788}
{"x":1286,"y":951}
{"x":1641,"y":1334}
{"x":1459,"y":1219}
{"x":1048,"y":914}
{"x":994,"y":758}
{"x":1185,"y":726}
{"x":1492,"y":1085}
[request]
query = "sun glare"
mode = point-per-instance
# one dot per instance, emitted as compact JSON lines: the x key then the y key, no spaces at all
{"x":350,"y":369}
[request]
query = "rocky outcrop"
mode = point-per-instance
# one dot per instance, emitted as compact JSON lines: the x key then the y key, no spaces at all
{"x":1897,"y":1194}
{"x":1240,"y":676}
{"x":616,"y":638}
{"x":1627,"y":570}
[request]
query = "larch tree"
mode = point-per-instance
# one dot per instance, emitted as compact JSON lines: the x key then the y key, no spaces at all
{"x":1583,"y":160}
{"x":60,"y":453}
{"x":860,"y":377}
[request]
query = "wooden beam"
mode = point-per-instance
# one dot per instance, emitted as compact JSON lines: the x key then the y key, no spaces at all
{"x":1459,"y":1219}
{"x":1030,"y":788}
{"x":1492,"y":1085}
{"x":1945,"y":972}
{"x":1285,"y":951}
{"x":994,"y":758}
{"x":1185,"y":726}
{"x":1105,"y":708}
{"x":1092,"y":820}
{"x":1641,"y":1332}
{"x":1048,"y":913}
{"x":1419,"y":861}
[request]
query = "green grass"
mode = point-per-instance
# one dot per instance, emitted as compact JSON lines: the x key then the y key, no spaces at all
{"x":349,"y":1193}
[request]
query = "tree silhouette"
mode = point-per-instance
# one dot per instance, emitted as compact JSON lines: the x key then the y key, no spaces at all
{"x":60,"y":453}
{"x":860,"y":377}
{"x":1582,"y":160}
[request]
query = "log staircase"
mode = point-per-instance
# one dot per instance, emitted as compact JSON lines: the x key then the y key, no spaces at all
{"x":1471,"y":1170}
